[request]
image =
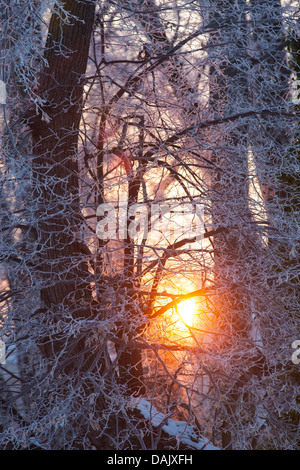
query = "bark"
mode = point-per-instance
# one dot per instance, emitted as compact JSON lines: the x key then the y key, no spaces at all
{"x":63,"y":256}
{"x":236,"y":249}
{"x":269,"y":138}
{"x":55,"y":135}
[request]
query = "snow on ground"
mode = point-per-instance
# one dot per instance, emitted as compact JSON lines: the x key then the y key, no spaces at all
{"x":181,"y":430}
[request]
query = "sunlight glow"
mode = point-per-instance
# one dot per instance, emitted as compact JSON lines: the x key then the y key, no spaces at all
{"x":186,"y":311}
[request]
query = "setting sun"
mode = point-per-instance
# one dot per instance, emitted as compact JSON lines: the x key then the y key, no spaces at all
{"x":186,"y":311}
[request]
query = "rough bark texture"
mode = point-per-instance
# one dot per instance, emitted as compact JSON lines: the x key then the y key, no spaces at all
{"x":55,"y":137}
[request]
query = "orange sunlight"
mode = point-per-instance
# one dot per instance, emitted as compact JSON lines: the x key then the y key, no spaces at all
{"x":186,"y":312}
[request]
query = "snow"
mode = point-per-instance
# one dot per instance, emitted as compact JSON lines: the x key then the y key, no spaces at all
{"x":183,"y":431}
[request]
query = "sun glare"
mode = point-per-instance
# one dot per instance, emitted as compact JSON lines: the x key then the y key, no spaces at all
{"x":186,"y":311}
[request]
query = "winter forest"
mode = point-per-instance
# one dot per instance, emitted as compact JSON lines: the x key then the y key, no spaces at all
{"x":149,"y":224}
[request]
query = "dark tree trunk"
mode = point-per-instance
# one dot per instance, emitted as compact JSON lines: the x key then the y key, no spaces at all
{"x":63,"y":256}
{"x":234,"y":249}
{"x":55,"y":136}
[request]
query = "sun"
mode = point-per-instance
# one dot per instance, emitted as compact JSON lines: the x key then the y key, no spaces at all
{"x":186,"y":311}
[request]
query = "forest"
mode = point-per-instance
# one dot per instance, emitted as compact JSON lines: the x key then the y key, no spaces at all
{"x":149,"y":225}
